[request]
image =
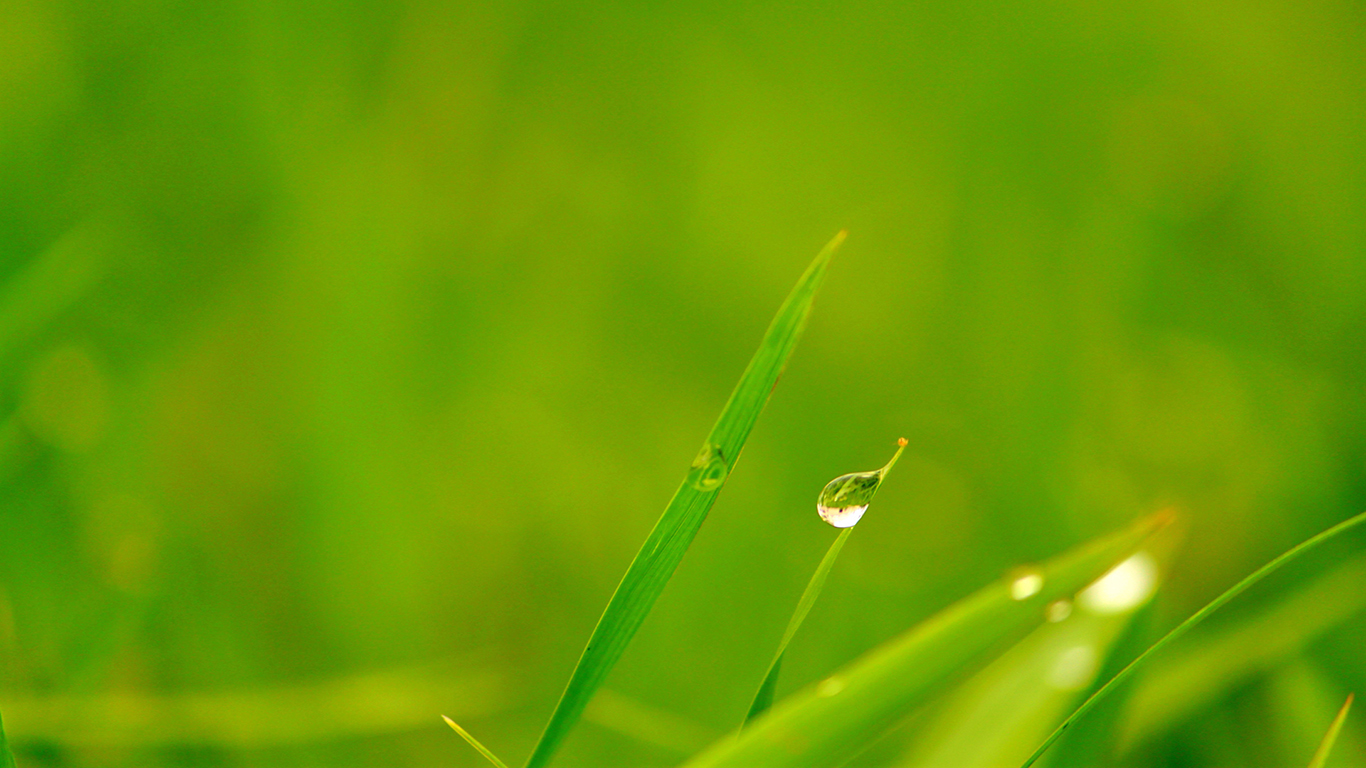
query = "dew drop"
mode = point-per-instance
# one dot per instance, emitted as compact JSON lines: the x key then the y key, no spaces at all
{"x":1058,"y":610}
{"x":709,"y":469}
{"x":1025,"y":583}
{"x":844,"y":500}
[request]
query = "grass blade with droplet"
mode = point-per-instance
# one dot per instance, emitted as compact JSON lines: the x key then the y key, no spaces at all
{"x":826,"y":724}
{"x":654,"y":564}
{"x":6,"y":757}
{"x":473,"y":742}
{"x":1326,"y":746}
{"x":1194,"y":619}
{"x":764,"y":698}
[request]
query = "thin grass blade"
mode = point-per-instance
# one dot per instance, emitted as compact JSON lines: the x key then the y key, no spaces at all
{"x":473,"y":742}
{"x":1185,"y":626}
{"x":1178,"y":685}
{"x":654,"y":564}
{"x":6,"y":757}
{"x":825,"y":724}
{"x":764,"y":698}
{"x":839,"y":491}
{"x":1326,"y":746}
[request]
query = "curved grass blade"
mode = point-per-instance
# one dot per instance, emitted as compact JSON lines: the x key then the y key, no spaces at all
{"x":1326,"y":746}
{"x":6,"y":757}
{"x":1204,"y":669}
{"x":1185,"y":626}
{"x":764,"y":698}
{"x":664,"y":548}
{"x":473,"y":742}
{"x":825,"y":724}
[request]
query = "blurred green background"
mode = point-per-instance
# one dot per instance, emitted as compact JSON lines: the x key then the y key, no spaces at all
{"x":350,"y":350}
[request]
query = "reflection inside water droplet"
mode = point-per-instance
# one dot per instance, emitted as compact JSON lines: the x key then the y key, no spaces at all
{"x":1058,"y":610}
{"x":830,"y":686}
{"x":844,"y":500}
{"x":1025,"y":584}
{"x":709,"y":469}
{"x":841,"y":517}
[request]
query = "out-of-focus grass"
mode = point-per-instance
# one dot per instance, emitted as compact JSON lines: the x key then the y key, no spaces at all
{"x":1193,"y":620}
{"x":6,"y":757}
{"x":1207,"y":667}
{"x":1004,"y":711}
{"x":827,"y":723}
{"x":1329,"y":739}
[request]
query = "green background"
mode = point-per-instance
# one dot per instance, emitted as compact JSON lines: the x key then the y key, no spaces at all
{"x":348,"y":351}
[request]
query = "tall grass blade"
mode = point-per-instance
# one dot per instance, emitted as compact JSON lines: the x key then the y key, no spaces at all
{"x":664,"y":548}
{"x":1185,"y":626}
{"x":764,"y":698}
{"x":825,"y":724}
{"x":6,"y":757}
{"x":473,"y":742}
{"x":1326,"y":746}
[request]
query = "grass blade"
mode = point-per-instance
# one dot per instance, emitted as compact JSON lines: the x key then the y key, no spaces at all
{"x":6,"y":757}
{"x":473,"y":742}
{"x":1194,"y":619}
{"x":1204,"y":669}
{"x":1326,"y":746}
{"x":664,"y":548}
{"x":764,"y":698}
{"x":825,"y":724}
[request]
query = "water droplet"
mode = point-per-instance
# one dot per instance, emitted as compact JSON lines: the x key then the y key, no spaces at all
{"x":1025,"y":583}
{"x":844,"y":500}
{"x":1058,"y":610}
{"x":709,"y":469}
{"x":830,"y":686}
{"x":1126,"y":587}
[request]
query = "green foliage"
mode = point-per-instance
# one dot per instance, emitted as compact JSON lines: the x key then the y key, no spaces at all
{"x":827,"y":723}
{"x":666,"y":544}
{"x":1194,"y":619}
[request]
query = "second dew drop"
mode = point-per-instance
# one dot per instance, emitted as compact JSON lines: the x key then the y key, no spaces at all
{"x":844,"y":500}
